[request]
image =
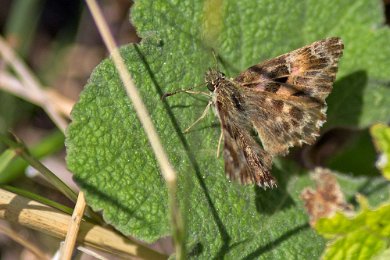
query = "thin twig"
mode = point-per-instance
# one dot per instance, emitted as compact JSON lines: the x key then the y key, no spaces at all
{"x":38,"y":198}
{"x":74,"y":227}
{"x":29,"y":80}
{"x":11,"y":84}
{"x":92,"y":253}
{"x":63,"y":104}
{"x":167,"y":170}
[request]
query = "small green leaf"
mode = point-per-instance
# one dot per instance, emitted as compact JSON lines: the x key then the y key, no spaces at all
{"x":6,"y":158}
{"x":356,"y":237}
{"x":381,"y":135}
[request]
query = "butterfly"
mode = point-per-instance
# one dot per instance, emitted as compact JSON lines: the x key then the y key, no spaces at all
{"x":272,"y":106}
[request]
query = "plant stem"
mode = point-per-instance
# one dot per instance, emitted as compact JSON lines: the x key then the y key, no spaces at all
{"x":168,"y":172}
{"x":50,"y":144}
{"x":31,"y":214}
{"x":38,"y":198}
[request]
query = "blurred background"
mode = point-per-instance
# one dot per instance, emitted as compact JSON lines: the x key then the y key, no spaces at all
{"x":59,"y":42}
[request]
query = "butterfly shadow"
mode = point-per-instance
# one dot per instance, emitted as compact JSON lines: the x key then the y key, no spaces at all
{"x":270,"y":201}
{"x":346,"y":100}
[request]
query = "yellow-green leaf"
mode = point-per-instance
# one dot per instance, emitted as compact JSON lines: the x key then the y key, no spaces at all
{"x":381,"y":136}
{"x":361,"y":236}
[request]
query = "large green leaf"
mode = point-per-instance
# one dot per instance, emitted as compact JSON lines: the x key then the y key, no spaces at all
{"x":112,"y":160}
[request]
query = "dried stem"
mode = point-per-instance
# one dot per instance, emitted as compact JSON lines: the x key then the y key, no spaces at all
{"x":31,"y":214}
{"x":168,"y":172}
{"x":30,"y":82}
{"x":29,"y":87}
{"x":74,"y":226}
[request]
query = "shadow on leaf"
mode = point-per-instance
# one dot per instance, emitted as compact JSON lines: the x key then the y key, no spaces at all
{"x":273,"y":244}
{"x":346,"y":100}
{"x":225,"y":237}
{"x":270,"y":201}
{"x":86,"y":186}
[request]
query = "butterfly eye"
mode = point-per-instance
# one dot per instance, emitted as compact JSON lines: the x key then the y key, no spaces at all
{"x":210,"y":86}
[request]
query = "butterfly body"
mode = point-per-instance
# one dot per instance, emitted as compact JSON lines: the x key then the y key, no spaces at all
{"x":282,"y":100}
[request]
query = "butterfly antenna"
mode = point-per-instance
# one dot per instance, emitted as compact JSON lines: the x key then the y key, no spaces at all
{"x":221,"y":63}
{"x":215,"y":59}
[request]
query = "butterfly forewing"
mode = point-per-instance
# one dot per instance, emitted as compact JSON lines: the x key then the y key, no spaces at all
{"x":283,"y":99}
{"x":310,"y":71}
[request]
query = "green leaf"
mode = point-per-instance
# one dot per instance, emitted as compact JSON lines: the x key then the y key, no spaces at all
{"x":6,"y":158}
{"x":356,"y":237}
{"x":111,"y":157}
{"x":381,"y":135}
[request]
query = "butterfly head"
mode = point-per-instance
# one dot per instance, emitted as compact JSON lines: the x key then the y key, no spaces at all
{"x":213,"y":77}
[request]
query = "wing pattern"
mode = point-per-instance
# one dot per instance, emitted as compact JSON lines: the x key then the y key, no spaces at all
{"x":282,"y":99}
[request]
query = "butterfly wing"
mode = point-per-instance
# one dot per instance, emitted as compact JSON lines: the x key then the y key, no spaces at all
{"x":285,"y":96}
{"x":308,"y":71}
{"x":245,"y":160}
{"x":284,"y":122}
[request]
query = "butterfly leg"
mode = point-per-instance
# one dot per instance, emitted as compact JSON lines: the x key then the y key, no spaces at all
{"x":198,"y":92}
{"x":219,"y":144}
{"x":200,"y":118}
